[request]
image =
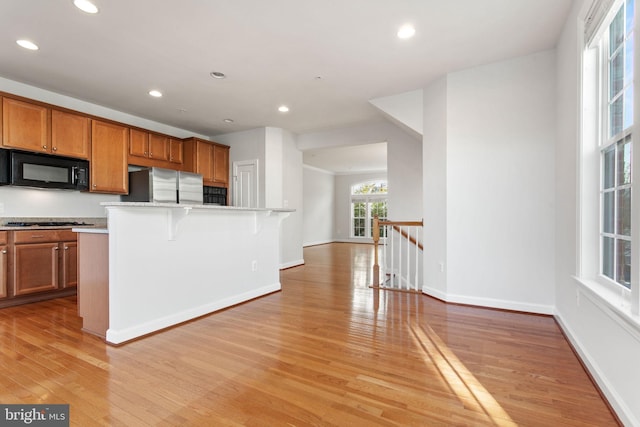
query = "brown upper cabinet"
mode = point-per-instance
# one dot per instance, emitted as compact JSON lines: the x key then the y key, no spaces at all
{"x":34,"y":127}
{"x":152,"y":149}
{"x":209,"y":159}
{"x":221,"y":165}
{"x":175,"y":151}
{"x":109,"y":172}
{"x":148,"y":145}
{"x":70,"y":134}
{"x":25,"y":125}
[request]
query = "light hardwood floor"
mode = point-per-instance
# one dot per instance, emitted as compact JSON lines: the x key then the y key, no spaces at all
{"x":326,"y":350}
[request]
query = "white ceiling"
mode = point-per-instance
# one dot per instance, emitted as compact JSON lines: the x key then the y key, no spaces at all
{"x":324,"y":59}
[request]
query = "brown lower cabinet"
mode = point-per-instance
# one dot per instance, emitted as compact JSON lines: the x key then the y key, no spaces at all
{"x":4,"y":264}
{"x":42,"y":264}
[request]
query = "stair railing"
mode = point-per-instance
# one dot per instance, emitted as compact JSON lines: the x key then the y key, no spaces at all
{"x":401,"y":254}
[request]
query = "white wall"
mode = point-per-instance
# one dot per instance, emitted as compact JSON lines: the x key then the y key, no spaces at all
{"x":343,"y":203}
{"x":434,"y":154}
{"x":18,"y":202}
{"x":607,"y":344}
{"x":21,"y":202}
{"x":500,"y":184}
{"x":279,"y":179}
{"x":489,"y":135}
{"x":319,"y":206}
{"x":404,"y":173}
{"x":246,"y":145}
{"x":404,"y":109}
{"x":291,"y":231}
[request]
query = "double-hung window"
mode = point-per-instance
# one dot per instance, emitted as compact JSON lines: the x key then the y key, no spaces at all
{"x":616,"y":145}
{"x":609,"y":215}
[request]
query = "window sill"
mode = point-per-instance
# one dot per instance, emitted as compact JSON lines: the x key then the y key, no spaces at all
{"x":612,"y":304}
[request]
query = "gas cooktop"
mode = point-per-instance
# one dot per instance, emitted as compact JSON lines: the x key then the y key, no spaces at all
{"x":44,"y":223}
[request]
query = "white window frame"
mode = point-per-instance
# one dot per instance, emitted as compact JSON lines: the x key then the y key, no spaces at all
{"x":594,"y":130}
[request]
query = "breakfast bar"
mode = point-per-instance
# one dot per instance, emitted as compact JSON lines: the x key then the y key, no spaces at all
{"x":169,"y":263}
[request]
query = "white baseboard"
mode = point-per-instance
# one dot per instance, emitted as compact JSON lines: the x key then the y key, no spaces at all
{"x":489,"y":302}
{"x":621,"y":409}
{"x":123,"y":335}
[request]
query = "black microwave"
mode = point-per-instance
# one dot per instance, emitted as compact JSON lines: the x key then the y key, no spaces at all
{"x":26,"y":169}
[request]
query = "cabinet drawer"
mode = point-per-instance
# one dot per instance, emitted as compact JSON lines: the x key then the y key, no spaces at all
{"x":3,"y":237}
{"x":67,"y":236}
{"x":36,"y":236}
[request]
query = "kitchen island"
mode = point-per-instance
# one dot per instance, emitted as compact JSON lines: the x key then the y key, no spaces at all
{"x":169,"y":263}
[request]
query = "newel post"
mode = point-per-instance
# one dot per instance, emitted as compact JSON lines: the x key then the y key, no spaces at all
{"x":376,"y":239}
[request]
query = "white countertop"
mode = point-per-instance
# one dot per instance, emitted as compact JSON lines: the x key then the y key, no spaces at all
{"x":90,"y":230}
{"x":192,"y":206}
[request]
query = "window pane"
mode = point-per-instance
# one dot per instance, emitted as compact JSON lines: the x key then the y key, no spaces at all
{"x":607,"y":213}
{"x":624,"y":161}
{"x":615,"y":116}
{"x":628,"y":60}
{"x":630,"y":10}
{"x":616,"y":31}
{"x":623,"y":275}
{"x":623,"y":220}
{"x":607,"y":257}
{"x":616,"y":74}
{"x":628,"y":107}
{"x":609,"y":168}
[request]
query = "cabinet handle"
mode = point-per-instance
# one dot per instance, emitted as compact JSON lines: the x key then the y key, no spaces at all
{"x":44,"y":146}
{"x":55,"y":148}
{"x":56,"y":248}
{"x":94,"y":185}
{"x":4,"y":251}
{"x":66,"y":248}
{"x":145,"y":153}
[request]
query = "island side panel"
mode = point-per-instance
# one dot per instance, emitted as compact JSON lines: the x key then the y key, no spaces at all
{"x":93,"y":282}
{"x":170,"y":265}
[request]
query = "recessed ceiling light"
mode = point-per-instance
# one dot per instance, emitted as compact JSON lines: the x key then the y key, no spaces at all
{"x":283,"y":109}
{"x":406,"y":31}
{"x":228,"y":120}
{"x":155,"y":93}
{"x":86,"y":6}
{"x":27,"y":44}
{"x":217,"y":75}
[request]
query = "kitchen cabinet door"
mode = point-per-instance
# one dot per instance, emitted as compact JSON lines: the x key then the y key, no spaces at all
{"x":70,"y":134}
{"x":158,"y":147}
{"x":35,"y":268}
{"x":204,"y":164}
{"x":138,"y":143}
{"x":175,"y":151}
{"x":4,"y":271}
{"x":221,"y":165}
{"x":109,"y":172}
{"x":25,"y":125}
{"x":69,"y":266}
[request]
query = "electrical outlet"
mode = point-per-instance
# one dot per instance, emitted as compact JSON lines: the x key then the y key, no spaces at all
{"x":254,"y":265}
{"x":441,"y":266}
